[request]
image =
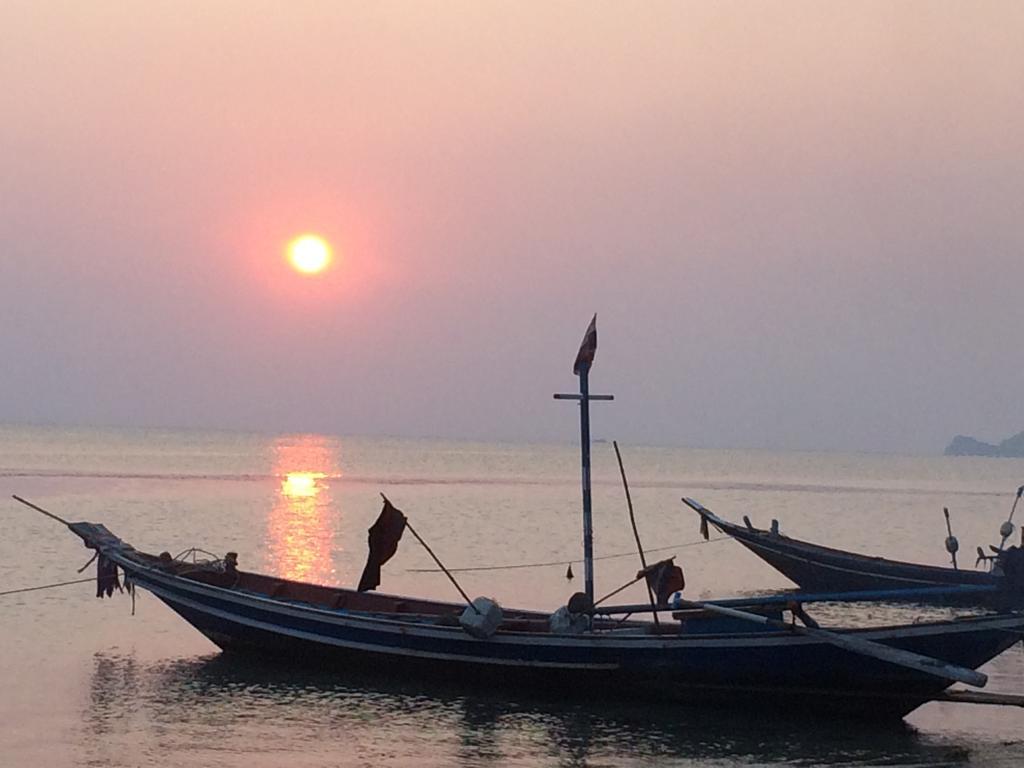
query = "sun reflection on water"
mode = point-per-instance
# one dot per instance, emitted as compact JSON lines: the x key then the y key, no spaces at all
{"x":302,"y":524}
{"x":302,"y":484}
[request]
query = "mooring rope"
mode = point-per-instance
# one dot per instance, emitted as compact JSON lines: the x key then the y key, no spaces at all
{"x":563,"y":562}
{"x":47,"y":586}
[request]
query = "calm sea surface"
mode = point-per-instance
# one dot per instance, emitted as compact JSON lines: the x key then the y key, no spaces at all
{"x":85,"y":683}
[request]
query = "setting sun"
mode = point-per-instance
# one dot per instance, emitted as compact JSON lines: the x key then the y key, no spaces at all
{"x":309,"y":254}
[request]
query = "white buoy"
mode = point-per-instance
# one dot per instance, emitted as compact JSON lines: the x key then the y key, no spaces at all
{"x":482,"y":618}
{"x":564,"y":622}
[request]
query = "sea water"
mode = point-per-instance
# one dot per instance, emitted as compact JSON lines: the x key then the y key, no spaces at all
{"x":87,"y":683}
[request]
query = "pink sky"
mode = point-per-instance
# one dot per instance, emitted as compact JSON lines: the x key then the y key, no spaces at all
{"x":800,"y":223}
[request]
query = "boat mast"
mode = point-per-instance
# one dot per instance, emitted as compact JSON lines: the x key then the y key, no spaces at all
{"x":584,"y":360}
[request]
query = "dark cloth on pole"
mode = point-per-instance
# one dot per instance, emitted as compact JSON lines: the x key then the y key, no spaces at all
{"x":664,"y":578}
{"x":106,"y":577}
{"x":588,"y":348}
{"x":384,"y":536}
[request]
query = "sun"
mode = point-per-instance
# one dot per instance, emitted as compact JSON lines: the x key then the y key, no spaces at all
{"x":309,"y":254}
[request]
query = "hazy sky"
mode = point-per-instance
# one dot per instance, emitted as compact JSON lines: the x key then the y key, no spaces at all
{"x":800,"y":224}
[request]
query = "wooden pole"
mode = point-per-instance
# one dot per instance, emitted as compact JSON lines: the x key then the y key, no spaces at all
{"x":636,"y":534}
{"x":872,"y":595}
{"x":616,"y":591}
{"x":40,"y":509}
{"x":441,"y":566}
{"x":46,"y":586}
{"x":950,"y":539}
{"x":588,"y":524}
{"x":898,"y":656}
{"x":981,"y":697}
{"x":1020,"y":492}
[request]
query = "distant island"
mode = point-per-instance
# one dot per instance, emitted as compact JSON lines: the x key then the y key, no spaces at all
{"x":1010,"y":448}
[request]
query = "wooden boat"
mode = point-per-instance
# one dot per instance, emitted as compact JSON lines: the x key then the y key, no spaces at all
{"x":707,"y":653}
{"x":698,"y":660}
{"x":824,"y":569}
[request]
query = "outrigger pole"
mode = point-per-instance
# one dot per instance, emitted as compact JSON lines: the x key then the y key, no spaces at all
{"x":40,"y":509}
{"x":584,"y":359}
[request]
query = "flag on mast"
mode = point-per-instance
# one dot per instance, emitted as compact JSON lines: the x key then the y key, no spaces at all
{"x":384,"y":536}
{"x":585,"y":357}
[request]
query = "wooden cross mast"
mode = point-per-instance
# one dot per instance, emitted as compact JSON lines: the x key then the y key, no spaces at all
{"x":584,"y":359}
